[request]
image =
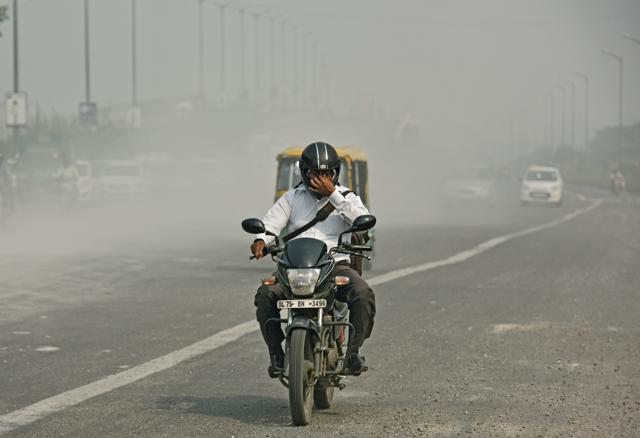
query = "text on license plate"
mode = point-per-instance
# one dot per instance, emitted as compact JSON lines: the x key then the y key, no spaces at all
{"x":302,"y":304}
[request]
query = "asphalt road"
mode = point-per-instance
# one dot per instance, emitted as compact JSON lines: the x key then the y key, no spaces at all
{"x":535,"y":337}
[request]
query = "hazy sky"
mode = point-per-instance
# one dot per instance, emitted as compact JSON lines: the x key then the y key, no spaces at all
{"x":463,"y":68}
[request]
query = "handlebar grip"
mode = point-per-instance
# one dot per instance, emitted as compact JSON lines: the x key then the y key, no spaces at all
{"x":358,"y":247}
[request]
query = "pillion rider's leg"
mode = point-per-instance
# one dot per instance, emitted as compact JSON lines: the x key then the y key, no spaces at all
{"x":362,"y":305}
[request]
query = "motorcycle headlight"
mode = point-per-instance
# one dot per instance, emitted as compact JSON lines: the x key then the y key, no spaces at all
{"x":303,"y":281}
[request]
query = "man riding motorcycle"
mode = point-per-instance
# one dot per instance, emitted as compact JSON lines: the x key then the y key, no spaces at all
{"x":320,"y":169}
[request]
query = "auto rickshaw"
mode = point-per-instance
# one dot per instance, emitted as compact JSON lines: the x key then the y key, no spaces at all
{"x":354,"y":174}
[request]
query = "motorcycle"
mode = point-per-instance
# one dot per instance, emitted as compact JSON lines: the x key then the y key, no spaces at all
{"x":618,"y":184}
{"x":315,"y":323}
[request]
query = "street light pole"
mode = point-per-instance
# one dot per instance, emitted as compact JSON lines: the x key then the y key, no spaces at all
{"x":134,"y":60}
{"x":243,"y":76}
{"x":631,"y":38}
{"x":620,"y":61}
{"x":563,"y":109}
{"x":283,"y":41}
{"x":16,"y":71}
{"x":585,"y":78}
{"x":296,"y":81}
{"x":314,"y":72}
{"x":256,"y":50}
{"x":272,"y":64}
{"x":87,"y":61}
{"x":572,"y":131}
{"x":222,"y":85}
{"x":201,"y":49}
{"x":552,"y":139}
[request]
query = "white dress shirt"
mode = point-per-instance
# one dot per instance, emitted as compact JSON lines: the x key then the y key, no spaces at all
{"x":297,"y":207}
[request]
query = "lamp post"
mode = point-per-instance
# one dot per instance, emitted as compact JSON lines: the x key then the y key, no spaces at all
{"x":620,"y":61}
{"x":631,"y":38}
{"x":283,"y":55}
{"x":134,"y":61}
{"x":273,"y":91}
{"x":552,"y":139}
{"x":572,"y":130}
{"x":222,"y":85}
{"x":563,"y":120}
{"x":87,"y":60}
{"x":201,"y":49}
{"x":243,"y":75}
{"x":256,"y":50}
{"x":16,"y":70}
{"x":585,"y":78}
{"x":296,"y":57}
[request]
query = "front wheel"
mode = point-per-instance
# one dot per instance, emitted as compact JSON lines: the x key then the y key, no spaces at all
{"x":300,"y":377}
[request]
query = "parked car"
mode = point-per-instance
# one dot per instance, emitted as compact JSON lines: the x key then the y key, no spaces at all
{"x":37,"y":171}
{"x":122,"y":179}
{"x":542,"y":184}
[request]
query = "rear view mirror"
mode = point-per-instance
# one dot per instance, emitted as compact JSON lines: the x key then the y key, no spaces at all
{"x":363,"y":223}
{"x":253,"y":226}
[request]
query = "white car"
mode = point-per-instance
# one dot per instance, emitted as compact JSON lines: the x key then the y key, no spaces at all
{"x":122,"y":179}
{"x":541,"y":184}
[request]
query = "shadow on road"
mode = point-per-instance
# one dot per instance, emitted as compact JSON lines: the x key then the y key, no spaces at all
{"x":248,"y":409}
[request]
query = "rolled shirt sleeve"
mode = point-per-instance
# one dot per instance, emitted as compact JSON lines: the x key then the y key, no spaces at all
{"x":350,"y":206}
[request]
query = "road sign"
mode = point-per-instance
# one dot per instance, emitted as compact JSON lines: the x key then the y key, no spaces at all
{"x":16,"y":109}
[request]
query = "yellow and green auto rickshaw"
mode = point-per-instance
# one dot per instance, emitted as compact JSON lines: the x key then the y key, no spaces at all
{"x":354,"y":173}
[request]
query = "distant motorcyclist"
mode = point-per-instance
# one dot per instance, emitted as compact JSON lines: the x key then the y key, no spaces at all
{"x":68,"y":177}
{"x":320,"y":168}
{"x":618,"y":183}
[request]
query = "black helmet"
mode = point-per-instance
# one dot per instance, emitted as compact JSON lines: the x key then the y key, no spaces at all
{"x":319,"y":156}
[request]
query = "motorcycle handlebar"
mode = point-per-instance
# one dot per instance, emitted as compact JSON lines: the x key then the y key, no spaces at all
{"x":350,"y":247}
{"x":267,"y":251}
{"x":353,"y":253}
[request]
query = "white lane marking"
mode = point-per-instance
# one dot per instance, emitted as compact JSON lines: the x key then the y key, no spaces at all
{"x":47,"y":348}
{"x":57,"y":403}
{"x":504,"y":328}
{"x":483,"y":247}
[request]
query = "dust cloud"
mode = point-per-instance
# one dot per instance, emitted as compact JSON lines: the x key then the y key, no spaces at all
{"x":432,"y":91}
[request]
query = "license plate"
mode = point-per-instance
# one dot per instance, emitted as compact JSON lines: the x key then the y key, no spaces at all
{"x":541,"y":195}
{"x":302,"y":304}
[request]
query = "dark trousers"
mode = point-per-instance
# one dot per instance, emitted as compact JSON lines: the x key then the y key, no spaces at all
{"x":357,"y":294}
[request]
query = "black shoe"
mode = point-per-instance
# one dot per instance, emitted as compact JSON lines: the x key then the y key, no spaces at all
{"x":277,"y":362}
{"x":354,"y":364}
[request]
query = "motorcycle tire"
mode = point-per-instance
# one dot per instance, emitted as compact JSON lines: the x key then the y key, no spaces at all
{"x":300,"y":377}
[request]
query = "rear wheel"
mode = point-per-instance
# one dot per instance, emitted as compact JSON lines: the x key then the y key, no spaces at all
{"x":322,"y":397}
{"x":301,"y":392}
